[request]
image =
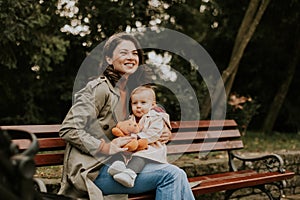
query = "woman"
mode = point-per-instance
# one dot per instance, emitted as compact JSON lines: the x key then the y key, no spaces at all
{"x":90,"y":144}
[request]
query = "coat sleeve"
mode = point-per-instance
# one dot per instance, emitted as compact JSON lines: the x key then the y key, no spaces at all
{"x":80,"y":127}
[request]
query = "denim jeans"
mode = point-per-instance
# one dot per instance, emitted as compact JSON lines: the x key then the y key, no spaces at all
{"x":169,"y":182}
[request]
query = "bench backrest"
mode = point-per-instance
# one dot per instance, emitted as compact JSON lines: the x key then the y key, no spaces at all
{"x":187,"y":137}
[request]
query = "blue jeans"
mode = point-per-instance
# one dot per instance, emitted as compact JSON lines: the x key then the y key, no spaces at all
{"x":169,"y":181}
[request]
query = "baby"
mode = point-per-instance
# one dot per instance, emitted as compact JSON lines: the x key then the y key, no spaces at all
{"x":152,"y":121}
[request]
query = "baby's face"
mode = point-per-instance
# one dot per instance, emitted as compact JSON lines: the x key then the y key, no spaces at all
{"x":142,"y":102}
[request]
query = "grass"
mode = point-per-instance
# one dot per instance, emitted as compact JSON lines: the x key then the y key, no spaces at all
{"x":258,"y":142}
{"x":49,"y":172}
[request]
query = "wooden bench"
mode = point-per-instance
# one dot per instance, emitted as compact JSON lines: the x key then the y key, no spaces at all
{"x":187,"y":137}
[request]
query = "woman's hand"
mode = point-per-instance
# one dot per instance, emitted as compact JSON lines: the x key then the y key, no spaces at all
{"x":115,"y":146}
{"x":166,"y":135}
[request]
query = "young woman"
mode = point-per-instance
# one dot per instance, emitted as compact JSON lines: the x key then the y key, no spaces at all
{"x":87,"y":130}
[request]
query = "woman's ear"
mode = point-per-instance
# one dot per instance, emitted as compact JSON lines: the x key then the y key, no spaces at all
{"x":108,"y":60}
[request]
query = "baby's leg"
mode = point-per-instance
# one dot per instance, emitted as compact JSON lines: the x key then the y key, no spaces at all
{"x":127,"y":176}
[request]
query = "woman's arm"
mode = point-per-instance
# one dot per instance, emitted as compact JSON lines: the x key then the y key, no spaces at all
{"x":73,"y":130}
{"x":81,"y":127}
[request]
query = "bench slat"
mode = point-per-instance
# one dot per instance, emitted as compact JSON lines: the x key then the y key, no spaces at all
{"x":44,"y":143}
{"x":47,"y":143}
{"x":203,"y":124}
{"x":53,"y":128}
{"x":179,"y":136}
{"x":49,"y":159}
{"x":232,"y":181}
{"x":204,"y":147}
{"x":58,"y":143}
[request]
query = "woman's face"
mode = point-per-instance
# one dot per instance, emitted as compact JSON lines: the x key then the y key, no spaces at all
{"x":125,"y":58}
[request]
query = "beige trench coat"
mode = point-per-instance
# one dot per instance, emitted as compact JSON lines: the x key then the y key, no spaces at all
{"x":91,"y":118}
{"x":152,"y":125}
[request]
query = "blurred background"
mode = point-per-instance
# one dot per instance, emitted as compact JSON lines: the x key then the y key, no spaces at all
{"x":254,"y":43}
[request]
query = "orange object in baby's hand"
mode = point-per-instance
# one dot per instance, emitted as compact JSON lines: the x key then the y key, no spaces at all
{"x":127,"y":128}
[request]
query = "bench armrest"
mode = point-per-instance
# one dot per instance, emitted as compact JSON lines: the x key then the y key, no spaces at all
{"x":271,"y":163}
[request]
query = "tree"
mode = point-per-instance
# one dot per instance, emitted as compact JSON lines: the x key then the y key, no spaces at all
{"x":43,"y":44}
{"x":26,"y":34}
{"x":248,"y":26}
{"x":291,"y":66}
{"x":31,"y":46}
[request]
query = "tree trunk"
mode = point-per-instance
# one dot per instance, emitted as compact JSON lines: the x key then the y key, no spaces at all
{"x":250,"y":21}
{"x":283,"y":89}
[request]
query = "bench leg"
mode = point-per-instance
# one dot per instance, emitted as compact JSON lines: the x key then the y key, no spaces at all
{"x":279,"y":186}
{"x":267,"y":192}
{"x":228,"y":194}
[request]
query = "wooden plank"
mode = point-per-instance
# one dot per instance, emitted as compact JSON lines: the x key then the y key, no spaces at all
{"x":175,"y":125}
{"x":54,"y":128}
{"x":44,"y":143}
{"x":204,"y":147}
{"x":179,"y":136}
{"x":49,"y":159}
{"x":51,"y":143}
{"x":203,"y":124}
{"x":235,"y":182}
{"x":222,"y":176}
{"x":22,"y":143}
{"x":58,"y":143}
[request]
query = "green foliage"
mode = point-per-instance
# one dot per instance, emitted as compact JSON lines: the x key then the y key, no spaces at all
{"x":29,"y":37}
{"x":39,"y":60}
{"x":31,"y":46}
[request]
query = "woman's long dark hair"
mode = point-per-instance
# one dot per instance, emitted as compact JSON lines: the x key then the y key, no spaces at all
{"x":139,"y":77}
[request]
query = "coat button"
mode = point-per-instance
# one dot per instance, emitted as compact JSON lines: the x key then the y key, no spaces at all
{"x":105,"y":127}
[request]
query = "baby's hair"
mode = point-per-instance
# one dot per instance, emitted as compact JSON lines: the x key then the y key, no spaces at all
{"x":143,"y":88}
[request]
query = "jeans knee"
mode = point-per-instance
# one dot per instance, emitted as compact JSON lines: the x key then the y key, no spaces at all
{"x":174,"y":173}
